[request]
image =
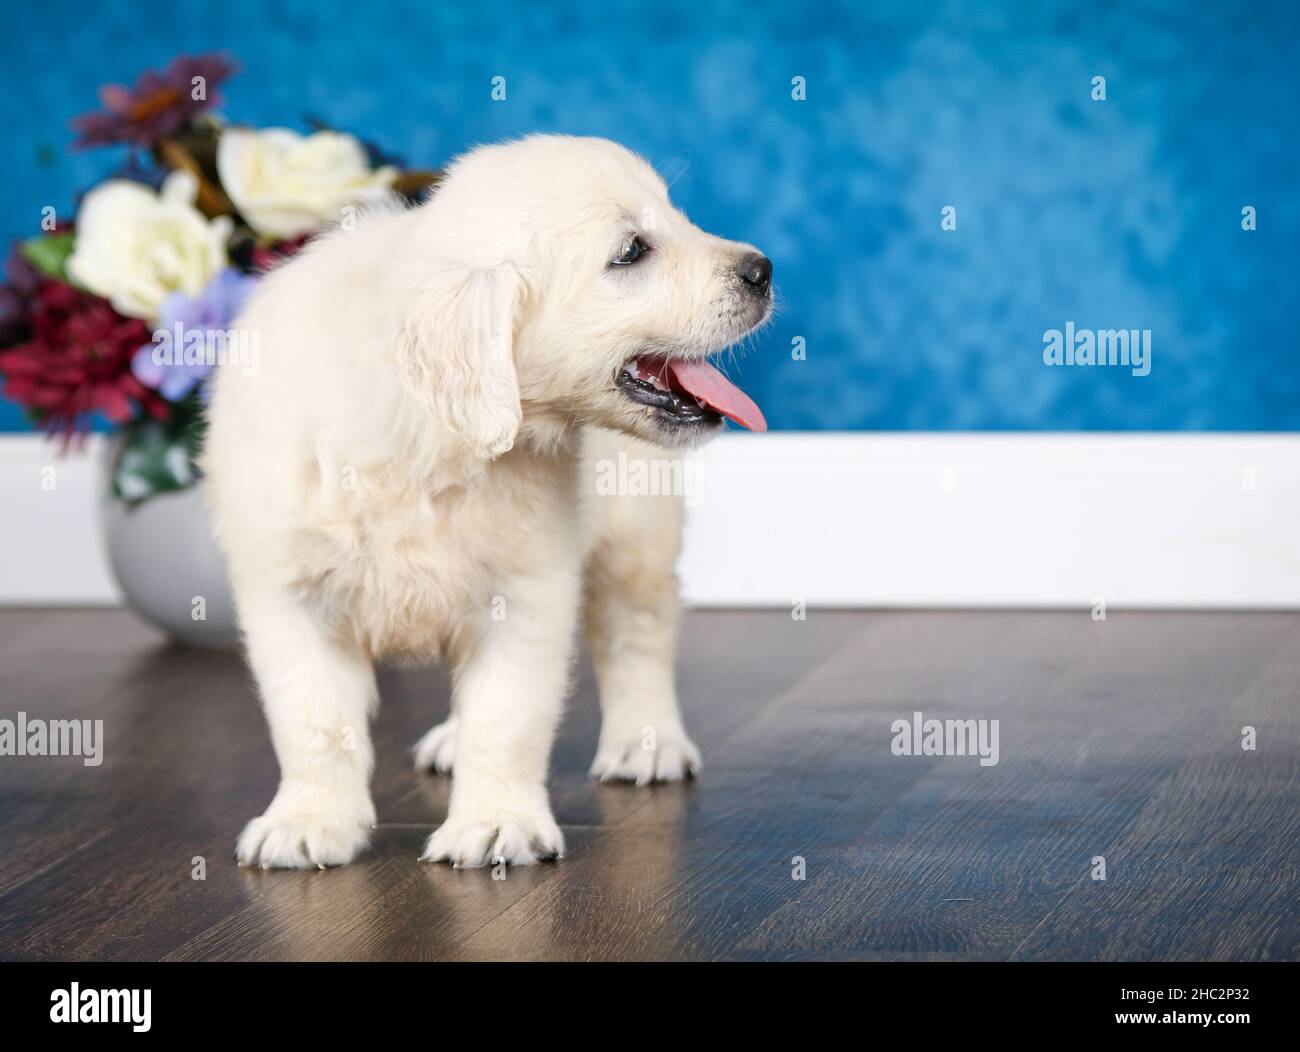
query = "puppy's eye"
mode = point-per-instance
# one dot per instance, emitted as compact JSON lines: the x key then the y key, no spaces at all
{"x":632,"y":251}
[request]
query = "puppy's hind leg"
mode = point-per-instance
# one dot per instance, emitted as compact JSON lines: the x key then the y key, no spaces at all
{"x":319,"y":692}
{"x":436,"y":751}
{"x":631,"y":615}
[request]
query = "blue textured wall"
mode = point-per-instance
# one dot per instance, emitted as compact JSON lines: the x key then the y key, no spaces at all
{"x":1122,"y":213}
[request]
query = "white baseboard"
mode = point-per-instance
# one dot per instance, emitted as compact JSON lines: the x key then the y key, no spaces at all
{"x":1010,"y":520}
{"x":879,"y":520}
{"x":51,"y":548}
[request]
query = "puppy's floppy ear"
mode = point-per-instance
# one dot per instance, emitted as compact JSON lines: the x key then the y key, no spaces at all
{"x":455,"y":354}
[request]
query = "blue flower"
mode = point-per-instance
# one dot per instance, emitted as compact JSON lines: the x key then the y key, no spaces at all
{"x":191,"y":333}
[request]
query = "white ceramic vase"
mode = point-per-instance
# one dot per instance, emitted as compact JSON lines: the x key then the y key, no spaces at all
{"x":168,"y":565}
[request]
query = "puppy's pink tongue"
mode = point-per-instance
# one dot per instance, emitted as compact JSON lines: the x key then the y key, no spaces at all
{"x":717,"y":392}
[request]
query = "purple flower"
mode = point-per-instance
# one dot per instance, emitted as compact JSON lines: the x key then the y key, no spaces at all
{"x":16,"y":294}
{"x":159,"y":105}
{"x":193,"y":334}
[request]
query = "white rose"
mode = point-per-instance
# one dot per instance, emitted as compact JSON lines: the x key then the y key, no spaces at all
{"x":135,"y":247}
{"x":286,"y":184}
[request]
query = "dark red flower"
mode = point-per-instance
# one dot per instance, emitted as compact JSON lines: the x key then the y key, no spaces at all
{"x":267,"y":257}
{"x":159,"y":105}
{"x":77,"y":361}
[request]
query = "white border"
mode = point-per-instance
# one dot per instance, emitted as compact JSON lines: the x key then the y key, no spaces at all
{"x":874,"y":519}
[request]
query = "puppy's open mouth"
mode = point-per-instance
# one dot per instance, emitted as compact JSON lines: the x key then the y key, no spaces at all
{"x":688,"y":393}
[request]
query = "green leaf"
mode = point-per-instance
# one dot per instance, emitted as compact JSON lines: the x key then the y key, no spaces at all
{"x":158,"y":457}
{"x":49,"y":254}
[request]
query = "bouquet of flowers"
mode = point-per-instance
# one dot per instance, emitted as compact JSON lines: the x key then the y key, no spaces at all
{"x":123,"y":311}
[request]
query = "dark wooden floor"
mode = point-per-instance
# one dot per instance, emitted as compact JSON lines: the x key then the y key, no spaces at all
{"x":1118,"y":739}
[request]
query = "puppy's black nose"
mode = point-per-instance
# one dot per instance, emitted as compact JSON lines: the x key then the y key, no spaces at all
{"x":756,"y":273}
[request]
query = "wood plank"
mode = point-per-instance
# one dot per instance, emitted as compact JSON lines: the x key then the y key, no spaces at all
{"x":971,"y":859}
{"x":1209,"y":867}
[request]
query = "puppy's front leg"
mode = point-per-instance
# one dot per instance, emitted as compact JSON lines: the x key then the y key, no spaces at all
{"x":318,"y":691}
{"x":509,"y":691}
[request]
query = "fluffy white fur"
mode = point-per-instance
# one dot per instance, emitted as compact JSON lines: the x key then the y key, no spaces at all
{"x":409,"y":471}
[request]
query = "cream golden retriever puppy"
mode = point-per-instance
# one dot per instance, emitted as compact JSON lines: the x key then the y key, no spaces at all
{"x":411,"y":472}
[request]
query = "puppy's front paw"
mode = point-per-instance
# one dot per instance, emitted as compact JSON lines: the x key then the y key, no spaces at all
{"x":646,"y":757}
{"x":515,"y":838}
{"x":296,"y":834}
{"x":437,"y":749}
